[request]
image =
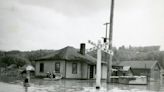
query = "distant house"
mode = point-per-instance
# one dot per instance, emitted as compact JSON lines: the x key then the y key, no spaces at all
{"x":149,"y":68}
{"x":69,"y":62}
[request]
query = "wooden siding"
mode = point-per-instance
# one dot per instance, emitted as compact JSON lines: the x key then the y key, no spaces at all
{"x":84,"y":68}
{"x":49,"y":66}
{"x":138,"y":72}
{"x":65,"y":69}
{"x":69,"y":70}
{"x":153,"y":73}
{"x":104,"y":71}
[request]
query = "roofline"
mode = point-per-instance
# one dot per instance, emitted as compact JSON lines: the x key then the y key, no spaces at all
{"x":154,"y":64}
{"x":159,"y":65}
{"x":91,"y":63}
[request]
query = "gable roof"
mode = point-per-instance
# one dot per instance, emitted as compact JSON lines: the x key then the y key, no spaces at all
{"x":70,"y":54}
{"x":138,"y":64}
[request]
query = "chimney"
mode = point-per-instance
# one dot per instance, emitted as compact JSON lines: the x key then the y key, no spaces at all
{"x":82,"y":48}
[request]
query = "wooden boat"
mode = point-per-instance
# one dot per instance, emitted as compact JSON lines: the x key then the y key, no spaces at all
{"x":51,"y":79}
{"x":57,"y":77}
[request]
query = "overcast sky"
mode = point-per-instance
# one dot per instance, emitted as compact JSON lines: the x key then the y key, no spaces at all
{"x":54,"y":24}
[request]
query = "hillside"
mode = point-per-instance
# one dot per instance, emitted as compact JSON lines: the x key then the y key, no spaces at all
{"x":120,"y":54}
{"x":134,"y":54}
{"x":15,"y":57}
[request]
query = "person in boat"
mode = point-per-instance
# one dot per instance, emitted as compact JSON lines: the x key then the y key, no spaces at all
{"x":48,"y":75}
{"x":53,"y":75}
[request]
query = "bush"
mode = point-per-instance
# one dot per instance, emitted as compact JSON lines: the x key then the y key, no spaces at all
{"x":8,"y":60}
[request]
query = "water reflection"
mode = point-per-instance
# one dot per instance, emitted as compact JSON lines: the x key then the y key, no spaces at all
{"x":38,"y":85}
{"x":26,"y":89}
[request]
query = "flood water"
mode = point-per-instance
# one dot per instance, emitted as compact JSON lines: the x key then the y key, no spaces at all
{"x":39,"y":85}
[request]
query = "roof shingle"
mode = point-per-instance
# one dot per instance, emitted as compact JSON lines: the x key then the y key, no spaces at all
{"x":70,"y":54}
{"x":138,"y":64}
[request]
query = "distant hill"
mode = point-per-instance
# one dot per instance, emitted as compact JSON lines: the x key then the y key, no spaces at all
{"x":134,"y":54}
{"x":120,"y":54}
{"x":13,"y":57}
{"x":6,"y":61}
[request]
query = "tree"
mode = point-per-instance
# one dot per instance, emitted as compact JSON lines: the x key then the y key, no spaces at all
{"x":8,"y":60}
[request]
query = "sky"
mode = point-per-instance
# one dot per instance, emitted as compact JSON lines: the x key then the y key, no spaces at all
{"x":54,"y":24}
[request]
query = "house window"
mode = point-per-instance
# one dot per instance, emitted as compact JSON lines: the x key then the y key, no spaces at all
{"x":41,"y":67}
{"x":57,"y":67}
{"x":74,"y":68}
{"x":124,"y":74}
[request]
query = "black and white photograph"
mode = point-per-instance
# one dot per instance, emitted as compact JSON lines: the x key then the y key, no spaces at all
{"x":81,"y":45}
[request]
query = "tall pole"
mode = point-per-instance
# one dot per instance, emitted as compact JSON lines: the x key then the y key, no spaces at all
{"x":109,"y":66}
{"x":98,"y":67}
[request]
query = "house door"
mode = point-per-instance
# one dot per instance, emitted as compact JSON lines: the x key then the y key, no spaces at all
{"x":91,"y":71}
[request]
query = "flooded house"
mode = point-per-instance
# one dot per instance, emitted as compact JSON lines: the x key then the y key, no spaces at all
{"x":146,"y":68}
{"x":70,"y":62}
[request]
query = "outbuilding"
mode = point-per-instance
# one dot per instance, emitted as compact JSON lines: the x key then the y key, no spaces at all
{"x":148,"y":68}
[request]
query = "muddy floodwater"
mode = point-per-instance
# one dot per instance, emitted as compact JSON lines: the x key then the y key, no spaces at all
{"x":39,"y":85}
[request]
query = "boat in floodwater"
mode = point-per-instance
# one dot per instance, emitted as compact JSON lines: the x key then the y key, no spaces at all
{"x":57,"y":77}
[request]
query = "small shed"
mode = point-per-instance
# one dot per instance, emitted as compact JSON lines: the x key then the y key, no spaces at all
{"x":148,"y":68}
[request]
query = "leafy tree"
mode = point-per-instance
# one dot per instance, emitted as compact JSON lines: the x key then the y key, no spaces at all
{"x":8,"y":60}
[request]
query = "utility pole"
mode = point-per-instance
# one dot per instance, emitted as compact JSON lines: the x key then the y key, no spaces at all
{"x":109,"y":64}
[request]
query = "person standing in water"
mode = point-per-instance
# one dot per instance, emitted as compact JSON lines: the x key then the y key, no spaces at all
{"x":26,"y":80}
